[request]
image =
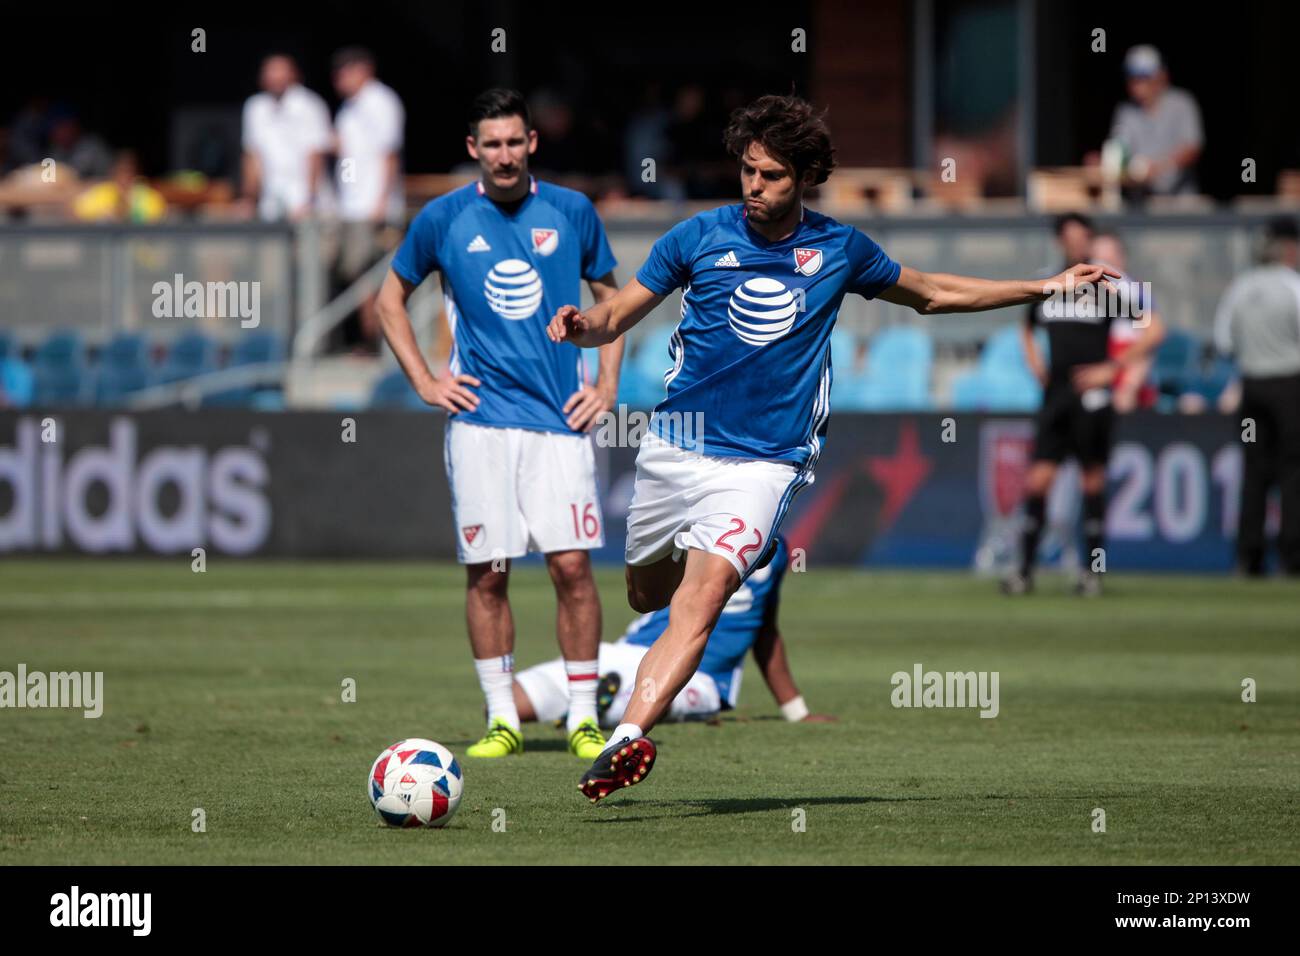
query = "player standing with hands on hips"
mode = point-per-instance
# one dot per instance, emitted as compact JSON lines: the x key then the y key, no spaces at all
{"x":518,"y":456}
{"x":763,"y":282}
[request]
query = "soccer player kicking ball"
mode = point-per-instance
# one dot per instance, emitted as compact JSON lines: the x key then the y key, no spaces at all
{"x":740,"y":429}
{"x":747,"y":622}
{"x":519,"y":461}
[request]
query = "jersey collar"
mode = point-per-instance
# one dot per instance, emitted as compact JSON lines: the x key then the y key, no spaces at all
{"x":532,"y":186}
{"x":762,"y":239}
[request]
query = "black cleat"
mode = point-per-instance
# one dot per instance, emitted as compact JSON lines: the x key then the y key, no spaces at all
{"x":606,"y":691}
{"x":620,"y":765}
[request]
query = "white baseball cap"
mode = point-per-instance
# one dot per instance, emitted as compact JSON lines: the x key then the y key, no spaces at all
{"x":1142,"y":60}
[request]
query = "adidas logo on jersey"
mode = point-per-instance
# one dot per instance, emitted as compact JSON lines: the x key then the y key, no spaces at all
{"x":729,"y":261}
{"x":478,"y":244}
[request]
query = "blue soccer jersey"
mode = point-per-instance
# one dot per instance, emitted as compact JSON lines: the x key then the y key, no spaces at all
{"x":737,"y":628}
{"x":504,"y":274}
{"x":751,"y":357}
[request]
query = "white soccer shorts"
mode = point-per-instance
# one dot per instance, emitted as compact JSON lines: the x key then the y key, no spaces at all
{"x":514,"y":490}
{"x":547,"y":687}
{"x":730,"y":507}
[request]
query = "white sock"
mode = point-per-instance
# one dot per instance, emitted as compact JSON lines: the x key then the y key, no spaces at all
{"x":583,"y":677}
{"x":496,"y":675}
{"x":625,"y":731}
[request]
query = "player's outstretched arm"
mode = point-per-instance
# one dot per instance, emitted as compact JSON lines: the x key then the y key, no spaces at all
{"x":769,"y":654}
{"x":933,"y":293}
{"x":604,"y":321}
{"x":450,"y":391}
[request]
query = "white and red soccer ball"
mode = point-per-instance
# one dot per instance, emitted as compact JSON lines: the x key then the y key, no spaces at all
{"x":415,"y":783}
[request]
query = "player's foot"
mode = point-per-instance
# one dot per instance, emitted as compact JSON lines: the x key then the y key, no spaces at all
{"x":625,"y":763}
{"x":501,"y":740}
{"x":586,"y":740}
{"x":1089,"y":585}
{"x":606,"y":691}
{"x":1016,"y":583}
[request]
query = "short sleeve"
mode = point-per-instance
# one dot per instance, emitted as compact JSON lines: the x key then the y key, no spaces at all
{"x":417,"y":256}
{"x":248,"y":131}
{"x":320,"y":121}
{"x":392,"y":120}
{"x":669,"y":264}
{"x":871,"y":272}
{"x":597,"y":257}
{"x":1189,"y":126}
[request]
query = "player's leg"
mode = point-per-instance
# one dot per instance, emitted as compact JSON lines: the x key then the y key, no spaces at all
{"x":577,"y":628}
{"x":1093,"y":449}
{"x":707,"y":583}
{"x":1038,"y":483}
{"x":1259,"y":463}
{"x":650,"y":587}
{"x":561,"y":506}
{"x":1287,"y":405}
{"x":1049,"y":448}
{"x":489,"y":533}
{"x":492,"y":639}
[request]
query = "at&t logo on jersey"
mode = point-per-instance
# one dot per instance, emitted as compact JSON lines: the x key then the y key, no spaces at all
{"x":513,"y":289}
{"x":761,"y":310}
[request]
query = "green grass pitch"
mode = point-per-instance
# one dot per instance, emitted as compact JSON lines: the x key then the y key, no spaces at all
{"x":223,"y":692}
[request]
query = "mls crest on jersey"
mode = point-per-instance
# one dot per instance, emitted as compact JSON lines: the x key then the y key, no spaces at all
{"x":545,"y":241}
{"x":807,"y":261}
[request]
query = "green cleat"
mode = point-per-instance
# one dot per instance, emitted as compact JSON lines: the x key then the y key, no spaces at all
{"x":586,"y":740}
{"x":501,"y":740}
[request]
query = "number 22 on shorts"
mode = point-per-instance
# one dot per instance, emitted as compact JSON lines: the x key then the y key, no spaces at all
{"x":738,"y":527}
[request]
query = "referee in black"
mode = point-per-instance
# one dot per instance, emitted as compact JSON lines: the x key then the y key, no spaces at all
{"x":1258,"y":323}
{"x":1077,"y":417}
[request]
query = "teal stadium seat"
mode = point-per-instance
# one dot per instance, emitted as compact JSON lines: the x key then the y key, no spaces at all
{"x":59,"y":371}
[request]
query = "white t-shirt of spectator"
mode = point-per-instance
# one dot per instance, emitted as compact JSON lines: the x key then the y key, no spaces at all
{"x":1174,"y":123}
{"x":370,"y":127}
{"x":283,"y":134}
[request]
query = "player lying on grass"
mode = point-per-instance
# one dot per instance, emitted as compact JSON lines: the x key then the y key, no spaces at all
{"x":741,"y":427}
{"x":748,"y":621}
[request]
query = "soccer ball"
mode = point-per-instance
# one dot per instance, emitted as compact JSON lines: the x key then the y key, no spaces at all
{"x":415,"y":783}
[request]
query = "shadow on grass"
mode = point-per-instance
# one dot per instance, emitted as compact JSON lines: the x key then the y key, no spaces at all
{"x":726,"y":805}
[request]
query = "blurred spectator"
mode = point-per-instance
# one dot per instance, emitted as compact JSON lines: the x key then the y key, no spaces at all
{"x":1159,"y":129}
{"x":286,"y":133}
{"x":698,"y":164}
{"x":70,"y":145}
{"x":646,"y":137}
{"x":1258,"y":322}
{"x":27,"y":134}
{"x":1133,"y":388}
{"x":371,"y":125}
{"x":123,"y":197}
{"x":558,"y":150}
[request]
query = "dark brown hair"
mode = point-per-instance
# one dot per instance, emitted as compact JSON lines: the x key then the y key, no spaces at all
{"x":788,"y":128}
